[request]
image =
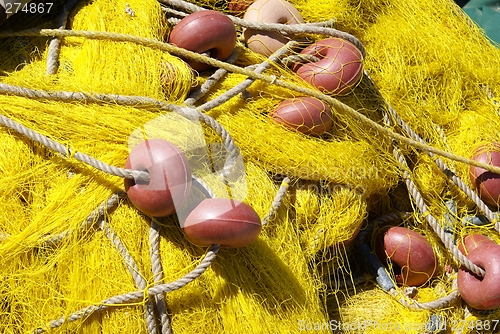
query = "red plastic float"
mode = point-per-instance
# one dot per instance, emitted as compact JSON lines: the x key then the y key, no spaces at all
{"x":412,"y":256}
{"x":482,"y":293}
{"x":238,"y":7}
{"x":169,"y":173}
{"x":206,"y":31}
{"x":473,"y":241}
{"x":351,"y":239}
{"x":228,"y":223}
{"x":338,"y":70}
{"x":269,"y":11}
{"x":487,"y":183}
{"x":307,"y":115}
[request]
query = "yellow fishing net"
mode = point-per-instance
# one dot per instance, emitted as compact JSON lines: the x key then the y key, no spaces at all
{"x":71,"y":241}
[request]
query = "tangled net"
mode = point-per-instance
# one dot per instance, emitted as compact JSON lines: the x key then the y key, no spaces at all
{"x":80,"y":86}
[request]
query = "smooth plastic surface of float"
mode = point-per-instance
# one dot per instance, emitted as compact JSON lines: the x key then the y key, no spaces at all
{"x":487,"y":183}
{"x":269,"y":11}
{"x":338,"y":70}
{"x":206,"y":31}
{"x":473,"y":241}
{"x":305,"y":114}
{"x":169,"y":173}
{"x":481,"y":293}
{"x":413,"y":259}
{"x":228,"y":223}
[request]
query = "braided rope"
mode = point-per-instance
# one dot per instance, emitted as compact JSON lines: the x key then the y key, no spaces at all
{"x":134,"y":270}
{"x":442,"y":134}
{"x":228,"y":143}
{"x":173,"y":12}
{"x":66,"y":152}
{"x":136,"y":296}
{"x":278,"y":200}
{"x":54,"y":47}
{"x":211,"y":81}
{"x":449,"y":173}
{"x":132,"y":267}
{"x":154,"y":252}
{"x":198,"y":183}
{"x":419,"y":201}
{"x":440,"y":163}
{"x":336,"y":104}
{"x":226,"y":96}
{"x":136,"y":101}
{"x":95,"y":215}
{"x":417,"y":197}
{"x":154,"y":236}
{"x":299,"y":58}
{"x":439,"y":303}
{"x":173,"y":20}
{"x":321,"y":28}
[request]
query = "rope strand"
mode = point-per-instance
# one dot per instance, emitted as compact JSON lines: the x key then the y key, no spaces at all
{"x":154,"y":252}
{"x":321,"y":28}
{"x":136,"y":296}
{"x":94,"y":216}
{"x":135,"y":272}
{"x":419,"y":201}
{"x":55,"y":43}
{"x":67,"y":152}
{"x":336,"y":104}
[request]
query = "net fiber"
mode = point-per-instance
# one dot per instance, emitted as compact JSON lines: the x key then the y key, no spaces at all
{"x":64,"y":255}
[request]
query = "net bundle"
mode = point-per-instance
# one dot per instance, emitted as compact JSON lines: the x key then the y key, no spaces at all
{"x":84,"y":83}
